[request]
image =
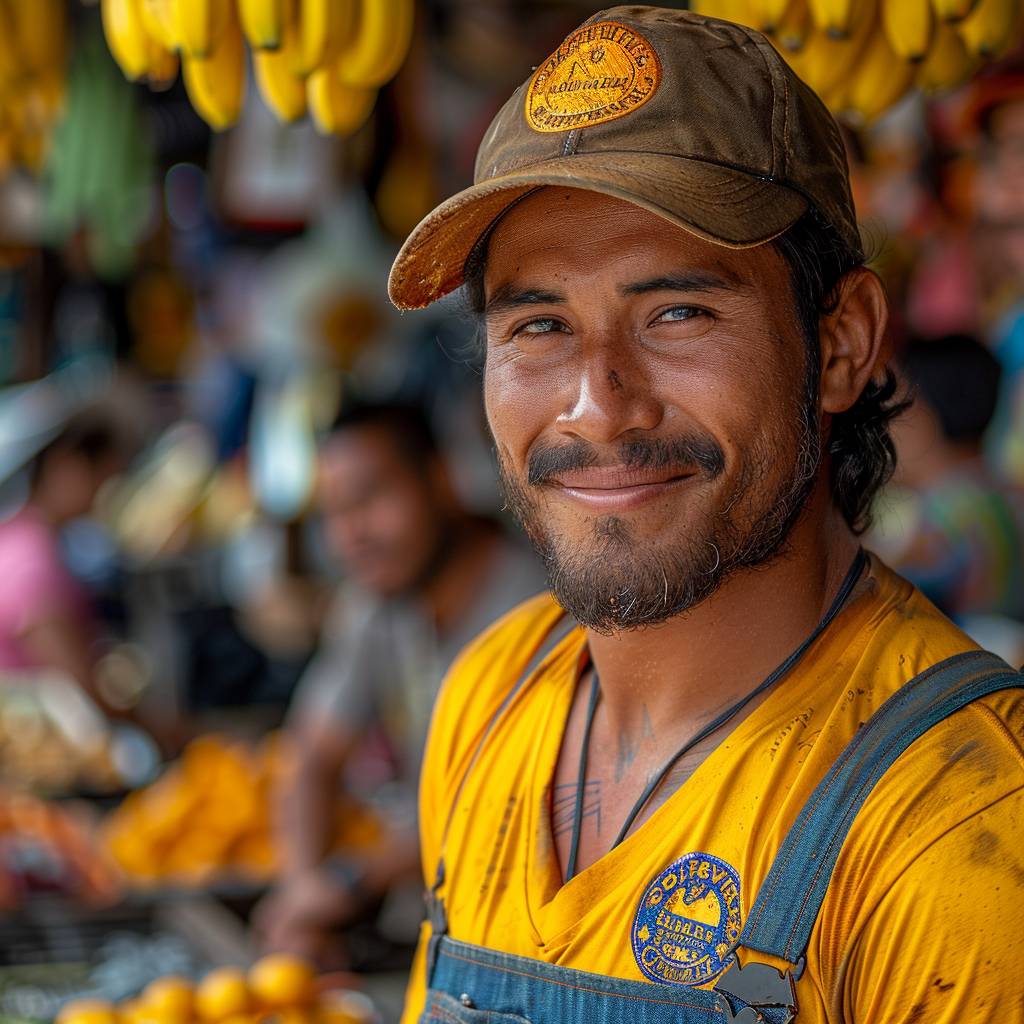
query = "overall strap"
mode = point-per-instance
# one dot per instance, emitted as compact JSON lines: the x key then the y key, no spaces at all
{"x":788,"y":902}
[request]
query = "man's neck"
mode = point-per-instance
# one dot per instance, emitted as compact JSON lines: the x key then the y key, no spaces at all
{"x":690,"y":668}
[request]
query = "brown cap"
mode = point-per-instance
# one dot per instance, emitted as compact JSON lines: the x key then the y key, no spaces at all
{"x":697,"y":120}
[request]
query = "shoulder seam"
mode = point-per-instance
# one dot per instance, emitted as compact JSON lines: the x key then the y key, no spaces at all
{"x":997,"y":725}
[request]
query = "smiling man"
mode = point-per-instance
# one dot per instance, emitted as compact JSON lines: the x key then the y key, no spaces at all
{"x":737,"y":769}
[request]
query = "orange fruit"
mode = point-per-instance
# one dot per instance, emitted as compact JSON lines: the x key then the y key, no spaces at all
{"x":168,"y":999}
{"x":223,"y":993}
{"x":281,"y":980}
{"x":87,"y":1011}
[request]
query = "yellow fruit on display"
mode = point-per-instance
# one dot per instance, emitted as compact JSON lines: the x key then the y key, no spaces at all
{"x":262,"y":22}
{"x":991,"y":28}
{"x":380,"y":43}
{"x":909,"y":26}
{"x":825,"y":63}
{"x":222,"y":994}
{"x":163,"y":67}
{"x":216,"y":83}
{"x":953,"y":10}
{"x":282,"y":90}
{"x":160,"y":20}
{"x":337,"y":108}
{"x":794,"y":27}
{"x":881,"y":79}
{"x":87,"y":1011}
{"x":126,"y":36}
{"x":948,"y":63}
{"x":169,"y":999}
{"x":200,"y":22}
{"x":836,"y":18}
{"x":323,"y":28}
{"x":769,"y":13}
{"x":282,"y":980}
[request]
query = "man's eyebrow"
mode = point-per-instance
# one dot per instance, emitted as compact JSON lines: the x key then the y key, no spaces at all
{"x":684,"y":281}
{"x":509,"y":296}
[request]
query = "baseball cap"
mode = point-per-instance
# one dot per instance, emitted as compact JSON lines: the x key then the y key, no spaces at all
{"x":696,"y":119}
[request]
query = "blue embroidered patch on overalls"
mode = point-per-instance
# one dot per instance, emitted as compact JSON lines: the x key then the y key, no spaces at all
{"x":688,"y":920}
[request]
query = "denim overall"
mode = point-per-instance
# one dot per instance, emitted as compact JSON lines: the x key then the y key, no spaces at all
{"x":472,"y":985}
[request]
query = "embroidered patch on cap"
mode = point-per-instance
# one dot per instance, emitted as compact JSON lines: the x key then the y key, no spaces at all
{"x":601,"y":72}
{"x":688,"y":918}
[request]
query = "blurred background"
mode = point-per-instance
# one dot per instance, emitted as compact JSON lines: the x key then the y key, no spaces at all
{"x":248,"y":512}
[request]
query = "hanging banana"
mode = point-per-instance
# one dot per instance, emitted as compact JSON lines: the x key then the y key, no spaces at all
{"x":337,"y":108}
{"x":263,"y":22}
{"x":126,"y":36}
{"x":380,"y":43}
{"x":991,"y":27}
{"x":909,"y":25}
{"x":200,"y":22}
{"x":216,"y":83}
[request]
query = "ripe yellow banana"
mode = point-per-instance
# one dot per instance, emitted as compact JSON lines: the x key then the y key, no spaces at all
{"x":769,"y":14}
{"x":127,"y":38}
{"x":263,"y":22}
{"x":909,"y":26}
{"x":163,"y":67}
{"x":216,"y":83}
{"x":835,"y":18}
{"x":880,"y":79}
{"x":953,"y":10}
{"x":199,"y":24}
{"x":948,"y":63}
{"x":991,"y":27}
{"x":324,"y":29}
{"x":282,"y":89}
{"x":825,"y":63}
{"x":795,"y":26}
{"x":160,"y":20}
{"x":381,"y":41}
{"x":337,"y":108}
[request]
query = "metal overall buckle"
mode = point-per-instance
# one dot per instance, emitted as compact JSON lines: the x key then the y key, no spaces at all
{"x":760,"y":986}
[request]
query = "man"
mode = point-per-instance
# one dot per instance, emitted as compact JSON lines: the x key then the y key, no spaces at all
{"x":423,"y":577}
{"x":949,"y":525}
{"x":684,"y":386}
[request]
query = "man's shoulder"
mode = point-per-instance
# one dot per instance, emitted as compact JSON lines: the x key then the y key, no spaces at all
{"x":486,"y":672}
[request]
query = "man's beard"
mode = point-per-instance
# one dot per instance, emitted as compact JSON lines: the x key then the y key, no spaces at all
{"x":616,"y":582}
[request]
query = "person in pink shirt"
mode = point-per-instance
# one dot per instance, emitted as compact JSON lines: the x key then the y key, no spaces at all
{"x":45,"y":618}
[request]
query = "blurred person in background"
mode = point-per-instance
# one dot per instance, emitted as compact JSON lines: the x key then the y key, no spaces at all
{"x":956,"y":531}
{"x":46,"y":622}
{"x":423,"y":577}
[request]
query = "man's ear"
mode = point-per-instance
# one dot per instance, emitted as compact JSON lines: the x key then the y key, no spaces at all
{"x":851,"y":338}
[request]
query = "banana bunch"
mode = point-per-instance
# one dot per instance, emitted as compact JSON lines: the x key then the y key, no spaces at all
{"x":33,"y":60}
{"x":862,"y":56}
{"x":326,"y":58}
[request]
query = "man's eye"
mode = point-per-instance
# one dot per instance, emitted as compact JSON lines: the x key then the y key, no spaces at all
{"x":543,"y":326}
{"x":678,"y":313}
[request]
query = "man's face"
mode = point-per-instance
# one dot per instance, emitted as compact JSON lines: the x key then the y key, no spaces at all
{"x":649,"y":395}
{"x":381,"y":515}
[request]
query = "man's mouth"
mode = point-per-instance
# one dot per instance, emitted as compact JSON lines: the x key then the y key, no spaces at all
{"x":617,"y":488}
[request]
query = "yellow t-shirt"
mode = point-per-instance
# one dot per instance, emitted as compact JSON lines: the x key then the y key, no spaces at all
{"x":924,"y":917}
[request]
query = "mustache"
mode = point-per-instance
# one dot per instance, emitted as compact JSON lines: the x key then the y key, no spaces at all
{"x":682,"y":452}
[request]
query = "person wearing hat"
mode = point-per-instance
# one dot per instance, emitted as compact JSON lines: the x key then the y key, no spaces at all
{"x":736,"y":769}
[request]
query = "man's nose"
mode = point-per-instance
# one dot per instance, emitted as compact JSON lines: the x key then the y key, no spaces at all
{"x":610,"y":395}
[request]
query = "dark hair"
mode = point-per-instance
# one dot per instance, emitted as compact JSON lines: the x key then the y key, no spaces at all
{"x":406,"y":425}
{"x":92,"y":435}
{"x":959,"y":379}
{"x":862,"y":456}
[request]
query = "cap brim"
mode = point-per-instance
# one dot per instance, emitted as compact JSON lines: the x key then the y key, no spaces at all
{"x":720,"y":204}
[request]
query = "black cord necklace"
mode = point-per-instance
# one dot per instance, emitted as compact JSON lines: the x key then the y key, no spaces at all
{"x":842,"y":596}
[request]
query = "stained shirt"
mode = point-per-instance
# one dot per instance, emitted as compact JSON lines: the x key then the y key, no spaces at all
{"x":924,"y":916}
